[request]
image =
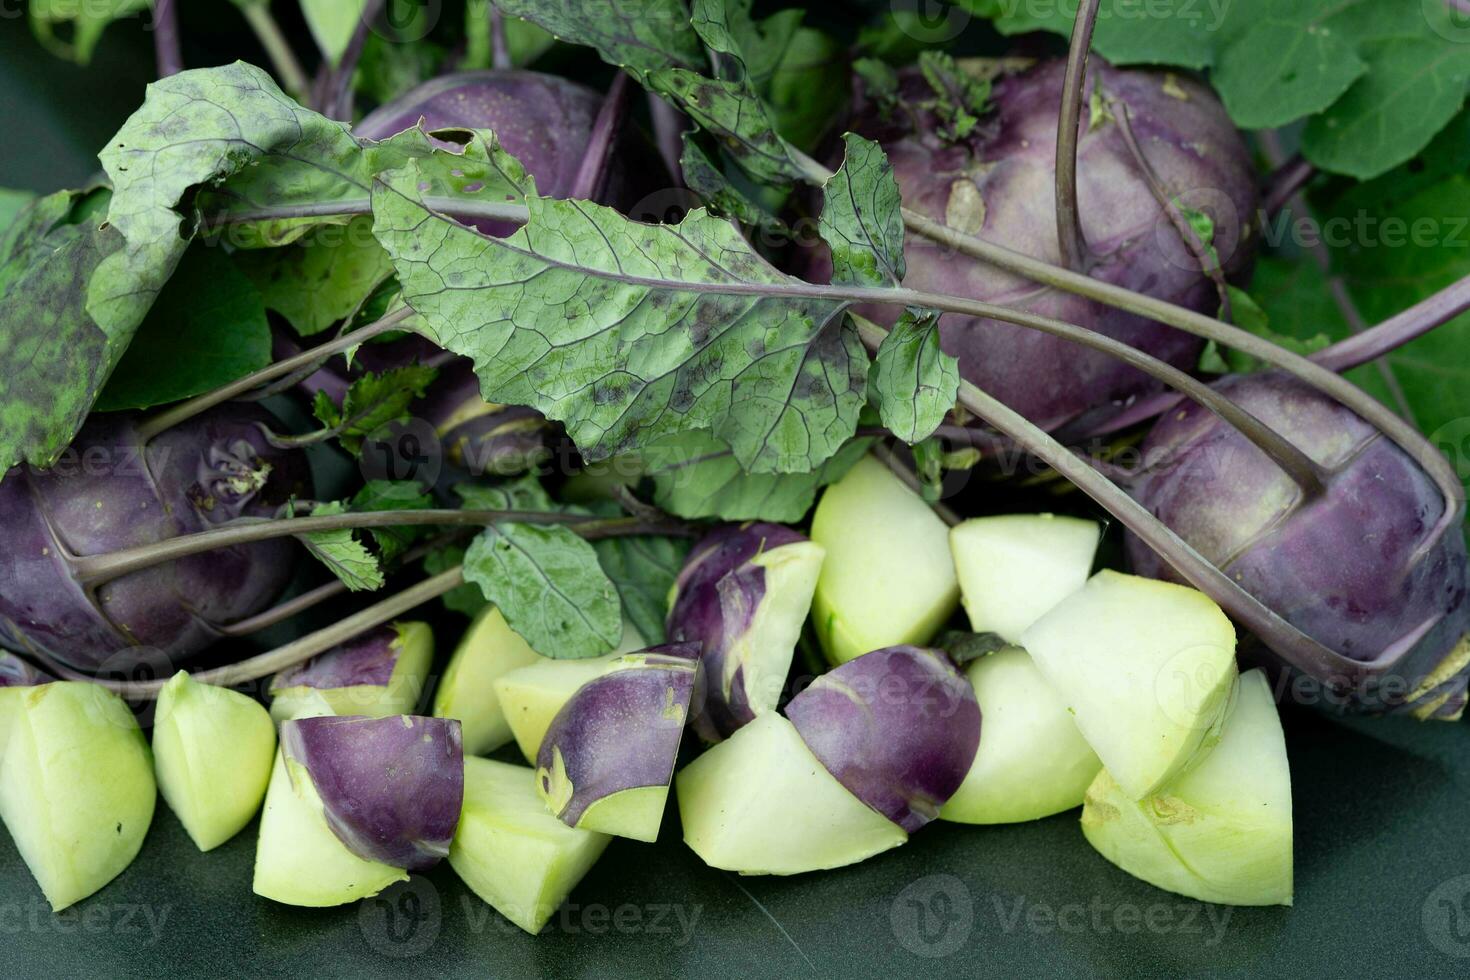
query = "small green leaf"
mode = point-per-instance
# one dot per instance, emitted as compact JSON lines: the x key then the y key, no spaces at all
{"x":206,"y":329}
{"x":639,"y":35}
{"x":465,"y":598}
{"x":318,"y":280}
{"x":12,"y":203}
{"x":347,"y":557}
{"x":695,"y":475}
{"x":914,"y":382}
{"x":720,"y":195}
{"x":861,"y":219}
{"x":960,"y":99}
{"x":643,"y":568}
{"x":393,"y":495}
{"x":85,"y":21}
{"x":1251,"y":317}
{"x":548,"y":584}
{"x":331,"y":23}
{"x":372,"y":401}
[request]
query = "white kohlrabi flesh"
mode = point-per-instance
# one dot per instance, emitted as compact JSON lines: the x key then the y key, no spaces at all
{"x":1221,"y":832}
{"x":1146,"y":668}
{"x":1032,"y":761}
{"x":76,"y":788}
{"x":1014,"y":568}
{"x":888,"y":578}
{"x":511,"y":852}
{"x":212,"y":753}
{"x":489,"y":650}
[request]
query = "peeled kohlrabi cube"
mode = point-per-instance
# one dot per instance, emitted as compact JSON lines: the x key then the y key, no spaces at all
{"x":76,"y":788}
{"x":489,"y":650}
{"x":380,"y":673}
{"x":607,"y":759}
{"x":1014,"y":568}
{"x":1145,"y":667}
{"x":1032,"y":761}
{"x":512,"y":853}
{"x":298,"y":860}
{"x":743,"y":595}
{"x":531,"y":696}
{"x":761,"y":803}
{"x":888,"y":578}
{"x":212,"y":753}
{"x":1221,"y":832}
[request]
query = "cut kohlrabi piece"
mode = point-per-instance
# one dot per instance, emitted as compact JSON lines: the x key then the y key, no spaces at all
{"x":1221,"y":832}
{"x":743,"y":595}
{"x":298,"y":860}
{"x":888,"y":578}
{"x":390,"y":788}
{"x":531,"y":696}
{"x":212,"y":752}
{"x":16,"y":677}
{"x":76,"y":788}
{"x":607,"y":759}
{"x":1032,"y":761}
{"x":1145,"y":667}
{"x":898,"y":727}
{"x":512,"y":853}
{"x":761,"y":803}
{"x":381,"y":673}
{"x":1014,"y":568}
{"x":489,"y":650}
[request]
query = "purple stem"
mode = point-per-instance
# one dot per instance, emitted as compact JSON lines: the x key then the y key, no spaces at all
{"x":1069,"y":220}
{"x":337,"y":99}
{"x":499,"y":47}
{"x":1285,"y":182}
{"x":592,"y":173}
{"x":166,"y":38}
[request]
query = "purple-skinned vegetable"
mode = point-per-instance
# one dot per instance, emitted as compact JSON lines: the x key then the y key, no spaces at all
{"x":1366,"y":566}
{"x":391,"y":788}
{"x":382,"y":672}
{"x":111,"y":491}
{"x":998,"y":182}
{"x":897,"y":727}
{"x":608,"y":757}
{"x":743,"y":594}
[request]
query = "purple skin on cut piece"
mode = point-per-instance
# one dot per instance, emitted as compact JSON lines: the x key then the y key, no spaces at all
{"x":367,"y":661}
{"x":897,"y":727}
{"x":1338,"y":567}
{"x":15,"y":672}
{"x":622,"y":730}
{"x":391,"y":788}
{"x":108,"y":493}
{"x":715,"y":600}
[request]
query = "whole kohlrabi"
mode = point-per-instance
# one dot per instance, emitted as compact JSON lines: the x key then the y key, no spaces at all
{"x":111,"y":491}
{"x":1363,"y":566}
{"x":998,"y":182}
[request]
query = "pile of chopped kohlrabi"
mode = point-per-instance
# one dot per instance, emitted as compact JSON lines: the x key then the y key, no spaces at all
{"x":804,"y":422}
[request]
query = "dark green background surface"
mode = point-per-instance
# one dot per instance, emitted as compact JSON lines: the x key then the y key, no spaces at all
{"x":1382,"y":827}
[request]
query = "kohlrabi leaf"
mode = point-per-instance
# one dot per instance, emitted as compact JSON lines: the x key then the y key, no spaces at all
{"x":81,"y":23}
{"x":736,"y":115}
{"x":1252,"y":317}
{"x":695,"y":475}
{"x":393,"y":495}
{"x":959,"y":98}
{"x":319,"y":279}
{"x":524,"y":41}
{"x":627,"y":331}
{"x":705,"y":178}
{"x":1413,"y":88}
{"x":56,"y":356}
{"x":643,"y":568}
{"x":341,"y":551}
{"x":861,"y":220}
{"x":639,"y":35}
{"x":12,"y":203}
{"x":914,"y":383}
{"x":372,"y":401}
{"x":206,"y":329}
{"x":808,"y":90}
{"x":1378,"y":77}
{"x":465,"y":598}
{"x":525,"y":493}
{"x":332,"y":23}
{"x":548,"y":584}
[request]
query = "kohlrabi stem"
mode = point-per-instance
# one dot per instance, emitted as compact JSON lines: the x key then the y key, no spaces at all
{"x":337,"y":98}
{"x":1184,"y":559}
{"x":183,"y":411}
{"x":459,"y":207}
{"x":94,"y":570}
{"x":500,"y":58}
{"x":166,"y":48}
{"x":1285,"y":182}
{"x":1069,"y":220}
{"x":277,"y":48}
{"x":1398,"y":329}
{"x":592,"y":171}
{"x":1208,"y":261}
